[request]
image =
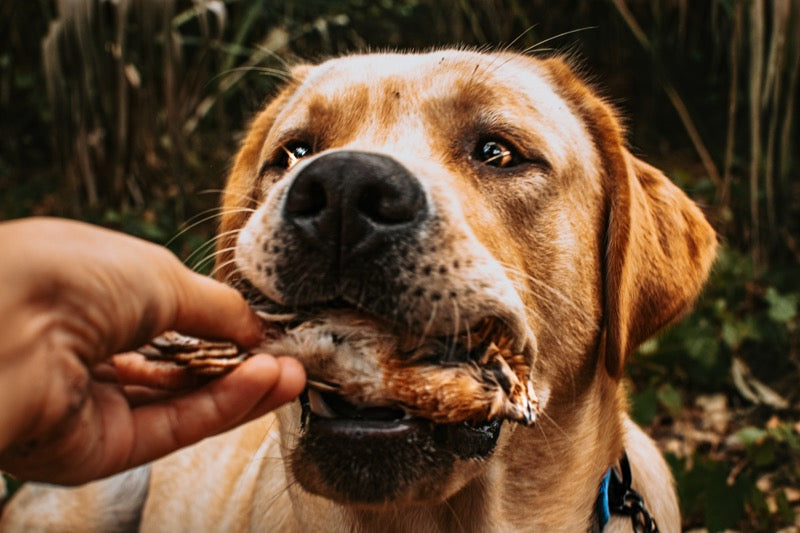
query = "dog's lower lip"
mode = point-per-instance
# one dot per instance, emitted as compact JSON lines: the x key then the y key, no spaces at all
{"x":464,"y":440}
{"x":360,"y":429}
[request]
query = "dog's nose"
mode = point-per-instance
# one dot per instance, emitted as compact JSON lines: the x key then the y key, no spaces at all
{"x":350,"y":203}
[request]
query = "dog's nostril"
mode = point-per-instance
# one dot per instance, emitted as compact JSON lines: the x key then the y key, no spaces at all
{"x":307,"y":198}
{"x":386,"y":204}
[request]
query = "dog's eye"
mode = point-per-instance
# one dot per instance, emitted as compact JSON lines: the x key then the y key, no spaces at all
{"x":292,"y":152}
{"x":496,"y":153}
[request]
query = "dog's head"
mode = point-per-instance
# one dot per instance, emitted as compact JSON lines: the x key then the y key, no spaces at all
{"x":423,"y":196}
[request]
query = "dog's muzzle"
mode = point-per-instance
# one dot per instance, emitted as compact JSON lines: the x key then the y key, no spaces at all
{"x":394,"y":341}
{"x":349,"y":207}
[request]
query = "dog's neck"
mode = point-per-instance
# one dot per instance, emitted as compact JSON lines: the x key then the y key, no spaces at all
{"x":468,"y":510}
{"x":562,"y":461}
{"x":474,"y":508}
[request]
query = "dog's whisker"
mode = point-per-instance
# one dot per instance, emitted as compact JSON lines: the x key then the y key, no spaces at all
{"x":280,"y":493}
{"x":205,"y":216}
{"x":539,"y":429}
{"x":556,"y":425}
{"x":281,"y":75}
{"x":233,"y":75}
{"x":456,"y":518}
{"x":470,"y":347}
{"x":268,"y":52}
{"x":208,"y":245}
{"x":211,"y":254}
{"x":244,"y":197}
{"x":522,"y":34}
{"x":219,"y":210}
{"x":219,"y":266}
{"x":429,"y":325}
{"x":255,"y":459}
{"x":536,"y":47}
{"x":232,"y":277}
{"x":202,"y":214}
{"x":563,"y":298}
{"x":453,"y":343}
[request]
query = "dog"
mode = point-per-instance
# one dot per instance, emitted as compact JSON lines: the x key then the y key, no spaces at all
{"x":428,"y":192}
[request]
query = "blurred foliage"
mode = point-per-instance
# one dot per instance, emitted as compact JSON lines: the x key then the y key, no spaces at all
{"x":126,"y":113}
{"x":735,"y":475}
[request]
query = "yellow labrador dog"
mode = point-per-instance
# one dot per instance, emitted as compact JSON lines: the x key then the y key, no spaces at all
{"x":402,"y":200}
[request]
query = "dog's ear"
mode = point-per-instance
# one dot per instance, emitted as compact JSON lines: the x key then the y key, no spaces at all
{"x":658,"y":245}
{"x":659,"y":249}
{"x":239,"y":198}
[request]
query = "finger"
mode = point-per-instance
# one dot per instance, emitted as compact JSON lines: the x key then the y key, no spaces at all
{"x":137,"y":395}
{"x":135,"y":369}
{"x":162,"y":428}
{"x":210,"y":309}
{"x":168,"y":295}
{"x":290,"y":385}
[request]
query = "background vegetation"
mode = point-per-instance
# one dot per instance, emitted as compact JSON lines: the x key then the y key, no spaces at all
{"x":126,"y":113}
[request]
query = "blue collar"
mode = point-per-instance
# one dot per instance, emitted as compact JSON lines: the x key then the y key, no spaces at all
{"x":616,"y":496}
{"x":601,"y":506}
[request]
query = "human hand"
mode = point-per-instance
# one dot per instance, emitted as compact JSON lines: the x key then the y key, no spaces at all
{"x":73,"y":295}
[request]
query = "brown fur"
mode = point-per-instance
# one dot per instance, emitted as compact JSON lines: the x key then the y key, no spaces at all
{"x":585,"y":250}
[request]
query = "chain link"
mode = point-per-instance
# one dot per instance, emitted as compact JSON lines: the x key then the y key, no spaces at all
{"x":623,"y":500}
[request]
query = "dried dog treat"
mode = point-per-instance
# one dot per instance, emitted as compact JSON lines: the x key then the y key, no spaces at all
{"x":475,"y":378}
{"x":202,"y":356}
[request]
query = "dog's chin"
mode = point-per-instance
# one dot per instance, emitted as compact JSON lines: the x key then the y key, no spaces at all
{"x":374,"y":457}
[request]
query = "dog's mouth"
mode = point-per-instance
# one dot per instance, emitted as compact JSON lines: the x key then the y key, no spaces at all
{"x":336,"y":415}
{"x":384,"y":401}
{"x":374,"y":455}
{"x":363,"y":367}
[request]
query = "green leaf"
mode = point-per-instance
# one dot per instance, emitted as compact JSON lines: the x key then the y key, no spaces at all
{"x":785,"y":433}
{"x":764,"y":453}
{"x":648,"y":347}
{"x":703,"y":349}
{"x":722,"y":505}
{"x":792,"y":441}
{"x":758,"y":504}
{"x":782,"y":308}
{"x":751,"y":436}
{"x":784,"y":508}
{"x":111,"y":217}
{"x":670,"y":398}
{"x":645,"y":406}
{"x":735,"y":331}
{"x":730,"y":334}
